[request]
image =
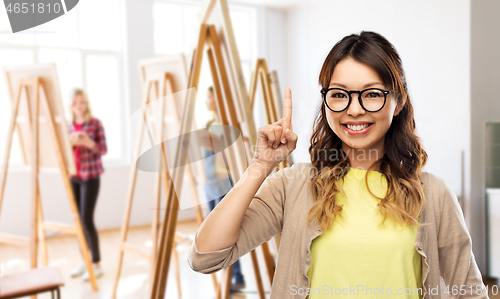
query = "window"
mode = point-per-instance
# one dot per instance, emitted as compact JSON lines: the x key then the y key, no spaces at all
{"x":176,"y":30}
{"x":86,"y":54}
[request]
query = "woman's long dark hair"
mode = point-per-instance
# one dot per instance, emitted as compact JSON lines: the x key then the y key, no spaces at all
{"x":404,"y":156}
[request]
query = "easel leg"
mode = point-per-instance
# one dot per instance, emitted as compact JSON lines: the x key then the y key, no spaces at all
{"x":130,"y":197}
{"x":267,"y":100}
{"x":159,"y":178}
{"x":258,"y":277}
{"x":176,"y":268}
{"x":253,"y":83}
{"x":221,"y":108}
{"x":249,"y":141}
{"x":41,"y":234}
{"x":156,"y":222}
{"x":34,"y":181}
{"x":226,"y":283}
{"x":269,"y":261}
{"x":199,"y":217}
{"x":34,"y":223}
{"x":277,"y":240}
{"x":166,"y":243}
{"x":232,"y":116}
{"x":124,"y":229}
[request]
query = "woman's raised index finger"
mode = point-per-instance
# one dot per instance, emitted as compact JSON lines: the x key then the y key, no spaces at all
{"x":287,"y":107}
{"x":287,"y":112}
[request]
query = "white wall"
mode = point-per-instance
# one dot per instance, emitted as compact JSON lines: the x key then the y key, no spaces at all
{"x":273,"y":41}
{"x":485,"y":104}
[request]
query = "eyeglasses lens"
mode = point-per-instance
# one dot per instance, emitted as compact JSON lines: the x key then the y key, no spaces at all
{"x":372,"y":99}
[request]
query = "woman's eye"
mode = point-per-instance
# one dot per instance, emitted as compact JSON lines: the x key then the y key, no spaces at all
{"x":374,"y":95}
{"x":338,"y":95}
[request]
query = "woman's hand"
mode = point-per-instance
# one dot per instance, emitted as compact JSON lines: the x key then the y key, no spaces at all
{"x":276,"y":141}
{"x":86,"y":140}
{"x":74,"y":138}
{"x":81,"y":138}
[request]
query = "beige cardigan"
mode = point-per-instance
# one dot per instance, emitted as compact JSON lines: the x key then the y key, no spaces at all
{"x":281,"y":206}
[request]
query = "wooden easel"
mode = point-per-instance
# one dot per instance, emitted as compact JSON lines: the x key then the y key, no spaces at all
{"x":165,"y":84}
{"x":38,"y":226}
{"x":227,"y":112}
{"x":270,"y":90}
{"x":272,"y":106}
{"x":271,"y":103}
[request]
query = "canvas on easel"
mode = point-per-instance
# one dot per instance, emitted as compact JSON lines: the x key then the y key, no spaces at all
{"x":38,"y":117}
{"x":15,"y":77}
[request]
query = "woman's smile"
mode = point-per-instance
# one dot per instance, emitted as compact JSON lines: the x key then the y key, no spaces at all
{"x":357,"y":129}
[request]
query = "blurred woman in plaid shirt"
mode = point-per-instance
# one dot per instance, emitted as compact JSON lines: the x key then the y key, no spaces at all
{"x":89,"y":144}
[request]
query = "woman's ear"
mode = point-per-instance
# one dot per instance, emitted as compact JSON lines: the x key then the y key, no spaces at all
{"x":398,"y":109}
{"x":400,"y":106}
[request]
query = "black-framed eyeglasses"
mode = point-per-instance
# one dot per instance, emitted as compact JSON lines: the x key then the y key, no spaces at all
{"x":371,"y":99}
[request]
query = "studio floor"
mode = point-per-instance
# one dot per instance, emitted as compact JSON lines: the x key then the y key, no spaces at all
{"x":134,"y":283}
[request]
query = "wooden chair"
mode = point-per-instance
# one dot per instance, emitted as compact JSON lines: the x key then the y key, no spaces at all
{"x":31,"y":282}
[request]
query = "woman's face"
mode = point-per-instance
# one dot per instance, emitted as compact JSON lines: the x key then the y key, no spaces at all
{"x":79,"y":105}
{"x":352,"y":75}
{"x":211,"y":101}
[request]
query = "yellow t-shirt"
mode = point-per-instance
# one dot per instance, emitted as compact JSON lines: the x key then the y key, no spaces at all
{"x":354,"y":258}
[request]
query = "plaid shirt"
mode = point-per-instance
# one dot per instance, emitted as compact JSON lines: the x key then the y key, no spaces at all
{"x":90,"y":159}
